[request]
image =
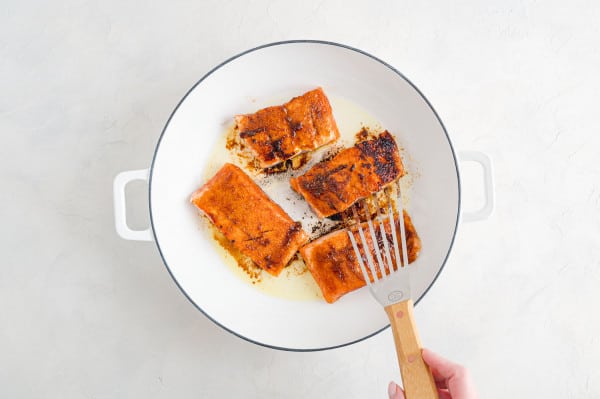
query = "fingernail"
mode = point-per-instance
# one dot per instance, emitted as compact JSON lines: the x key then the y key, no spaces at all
{"x":392,"y":389}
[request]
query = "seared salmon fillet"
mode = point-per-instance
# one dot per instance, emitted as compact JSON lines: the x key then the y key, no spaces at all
{"x":332,"y":186}
{"x":276,"y":134}
{"x":254,"y":224}
{"x":333,"y":264}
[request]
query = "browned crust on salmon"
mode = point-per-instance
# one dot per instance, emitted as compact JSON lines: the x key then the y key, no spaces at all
{"x":333,"y":264}
{"x":254,"y":224}
{"x":276,"y":134}
{"x":332,"y":186}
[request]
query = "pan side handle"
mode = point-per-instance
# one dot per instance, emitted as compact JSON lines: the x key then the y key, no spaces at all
{"x":120,"y":205}
{"x":488,"y":185}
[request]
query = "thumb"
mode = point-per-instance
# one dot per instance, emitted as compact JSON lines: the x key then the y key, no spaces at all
{"x":443,"y":368}
{"x":394,"y":391}
{"x":452,"y":376}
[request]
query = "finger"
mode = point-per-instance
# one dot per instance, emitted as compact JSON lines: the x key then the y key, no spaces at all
{"x":456,"y":377}
{"x":444,"y":394}
{"x":441,"y":384}
{"x":442,"y":368}
{"x":440,"y":380}
{"x":394,"y":391}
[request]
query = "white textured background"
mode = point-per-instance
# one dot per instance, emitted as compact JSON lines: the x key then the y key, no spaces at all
{"x":86,"y":87}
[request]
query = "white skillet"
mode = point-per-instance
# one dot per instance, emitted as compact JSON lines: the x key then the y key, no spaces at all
{"x":283,"y":70}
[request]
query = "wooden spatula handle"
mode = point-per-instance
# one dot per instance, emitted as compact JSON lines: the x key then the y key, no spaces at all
{"x":416,"y":376}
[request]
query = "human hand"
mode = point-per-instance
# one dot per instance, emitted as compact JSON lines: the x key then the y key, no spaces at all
{"x":453,"y":380}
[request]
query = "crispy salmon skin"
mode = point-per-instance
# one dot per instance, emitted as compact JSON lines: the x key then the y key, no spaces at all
{"x":276,"y":134}
{"x":332,"y":186}
{"x":333,"y":264}
{"x":254,"y":224}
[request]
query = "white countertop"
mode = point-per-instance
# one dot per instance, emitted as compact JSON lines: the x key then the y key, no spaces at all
{"x":86,"y":89}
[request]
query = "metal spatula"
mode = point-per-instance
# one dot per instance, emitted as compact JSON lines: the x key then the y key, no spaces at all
{"x":390,"y":285}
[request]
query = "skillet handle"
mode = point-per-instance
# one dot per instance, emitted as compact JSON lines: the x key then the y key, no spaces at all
{"x":488,"y":184}
{"x":416,"y":377}
{"x":121,"y":180}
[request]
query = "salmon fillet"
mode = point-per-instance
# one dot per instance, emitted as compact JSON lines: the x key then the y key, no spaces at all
{"x":333,"y":264}
{"x":254,"y":224}
{"x":276,"y":134}
{"x":332,"y":186}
